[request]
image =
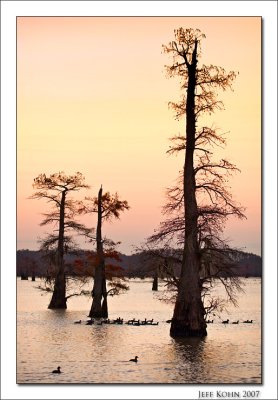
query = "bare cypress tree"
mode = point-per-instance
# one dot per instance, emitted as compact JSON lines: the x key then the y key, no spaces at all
{"x":107,"y":207}
{"x":200,"y":85}
{"x":55,"y":189}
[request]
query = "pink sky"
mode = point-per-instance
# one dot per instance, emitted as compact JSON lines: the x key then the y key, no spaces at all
{"x":92,"y":97}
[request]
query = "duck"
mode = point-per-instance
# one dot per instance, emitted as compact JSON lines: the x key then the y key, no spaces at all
{"x":118,"y":321}
{"x":150,"y":322}
{"x":235,"y":322}
{"x":77,"y":322}
{"x":154,"y":323}
{"x":248,"y":321}
{"x":210,"y":321}
{"x":90,"y":322}
{"x":225,"y":322}
{"x":57,"y":371}
{"x":135,"y":359}
{"x":169,"y":321}
{"x":130,"y":321}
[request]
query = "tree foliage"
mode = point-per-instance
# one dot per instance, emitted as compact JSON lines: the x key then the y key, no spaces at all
{"x":111,"y":206}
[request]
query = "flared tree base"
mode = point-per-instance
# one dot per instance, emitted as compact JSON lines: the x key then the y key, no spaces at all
{"x":58,"y":302}
{"x":181,"y":329}
{"x":57,"y":305}
{"x":99,"y":310}
{"x":95,"y":314}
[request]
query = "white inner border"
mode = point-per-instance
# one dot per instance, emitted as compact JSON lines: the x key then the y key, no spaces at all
{"x":9,"y":11}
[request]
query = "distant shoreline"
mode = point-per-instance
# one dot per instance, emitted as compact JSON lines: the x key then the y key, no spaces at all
{"x":32,"y":262}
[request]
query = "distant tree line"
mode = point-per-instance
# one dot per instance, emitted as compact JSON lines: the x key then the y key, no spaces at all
{"x":137,"y":265}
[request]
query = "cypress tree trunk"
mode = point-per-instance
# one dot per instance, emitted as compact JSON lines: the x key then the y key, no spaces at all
{"x":99,"y":308}
{"x":58,"y":299}
{"x":155,"y":282}
{"x":188,"y":318}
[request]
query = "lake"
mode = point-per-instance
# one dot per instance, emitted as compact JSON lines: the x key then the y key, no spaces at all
{"x":100,"y":353}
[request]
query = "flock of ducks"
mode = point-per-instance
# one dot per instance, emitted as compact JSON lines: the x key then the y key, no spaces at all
{"x":138,"y":322}
{"x":234,"y":322}
{"x":119,"y":321}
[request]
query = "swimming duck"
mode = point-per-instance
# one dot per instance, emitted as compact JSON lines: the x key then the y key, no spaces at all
{"x":134,"y":359}
{"x":248,"y":321}
{"x":77,"y":322}
{"x":235,"y":322}
{"x":130,"y":321}
{"x":225,"y":322}
{"x":117,"y":321}
{"x":57,"y":371}
{"x":169,"y":321}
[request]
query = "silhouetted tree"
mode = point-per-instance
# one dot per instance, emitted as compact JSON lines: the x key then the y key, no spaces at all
{"x":55,"y":190}
{"x":107,"y":207}
{"x":200,"y":84}
{"x":149,"y":264}
{"x":155,"y":282}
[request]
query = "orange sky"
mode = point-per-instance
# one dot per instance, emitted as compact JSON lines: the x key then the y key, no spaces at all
{"x":92,"y":97}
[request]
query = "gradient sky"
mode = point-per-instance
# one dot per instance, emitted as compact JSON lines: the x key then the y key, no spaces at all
{"x":92,"y":96}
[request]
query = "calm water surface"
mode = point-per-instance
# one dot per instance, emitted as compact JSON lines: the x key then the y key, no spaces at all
{"x":100,"y":354}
